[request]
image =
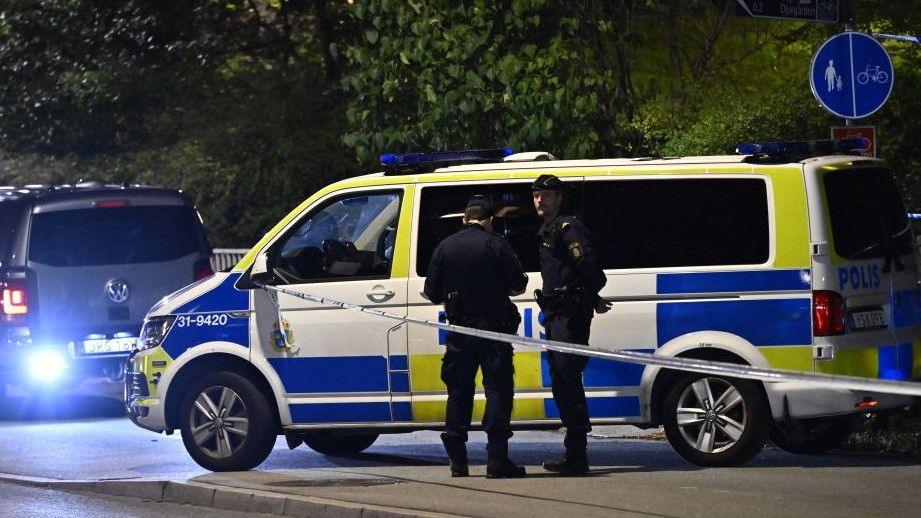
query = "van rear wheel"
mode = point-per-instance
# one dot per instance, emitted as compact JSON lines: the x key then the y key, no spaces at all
{"x":331,"y":443}
{"x":716,"y":421}
{"x":226,"y":423}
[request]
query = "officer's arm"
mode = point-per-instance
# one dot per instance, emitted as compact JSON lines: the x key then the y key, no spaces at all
{"x":583,"y":257}
{"x":512,"y":271}
{"x":433,"y":286}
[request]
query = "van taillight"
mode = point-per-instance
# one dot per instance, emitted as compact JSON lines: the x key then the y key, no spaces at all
{"x":14,"y":299}
{"x":202,"y":270}
{"x":827,"y":313}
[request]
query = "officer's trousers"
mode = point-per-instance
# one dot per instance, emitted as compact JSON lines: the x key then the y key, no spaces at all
{"x":464,"y":355}
{"x":566,"y":376}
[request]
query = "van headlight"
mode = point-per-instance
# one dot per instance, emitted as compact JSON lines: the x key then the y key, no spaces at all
{"x":154,"y":331}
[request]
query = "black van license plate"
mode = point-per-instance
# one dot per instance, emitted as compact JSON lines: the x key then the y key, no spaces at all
{"x":868,"y":319}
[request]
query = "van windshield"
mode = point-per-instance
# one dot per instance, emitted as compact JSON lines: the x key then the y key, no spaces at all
{"x":867,"y":215}
{"x":117,"y":235}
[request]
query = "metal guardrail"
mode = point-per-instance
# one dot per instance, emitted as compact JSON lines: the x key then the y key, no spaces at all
{"x":224,"y":258}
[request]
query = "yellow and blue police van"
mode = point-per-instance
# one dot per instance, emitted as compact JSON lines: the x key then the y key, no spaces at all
{"x":772,"y":258}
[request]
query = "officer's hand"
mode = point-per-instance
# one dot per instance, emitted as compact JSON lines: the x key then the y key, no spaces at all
{"x":602,"y":306}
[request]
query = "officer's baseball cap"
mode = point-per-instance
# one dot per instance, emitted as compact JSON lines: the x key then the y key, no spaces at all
{"x":481,"y":201}
{"x":548,"y":182}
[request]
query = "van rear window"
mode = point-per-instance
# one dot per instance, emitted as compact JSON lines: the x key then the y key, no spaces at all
{"x":867,"y":214}
{"x":8,"y":220}
{"x":119,"y":235}
{"x":673,"y":223}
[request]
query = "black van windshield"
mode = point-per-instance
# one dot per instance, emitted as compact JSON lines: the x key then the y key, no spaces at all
{"x":114,"y":235}
{"x":868,"y":218}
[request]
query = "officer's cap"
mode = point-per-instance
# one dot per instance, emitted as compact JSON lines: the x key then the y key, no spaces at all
{"x":548,"y":182}
{"x":479,"y":200}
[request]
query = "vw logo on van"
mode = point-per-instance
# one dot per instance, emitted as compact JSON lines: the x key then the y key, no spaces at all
{"x":117,"y":290}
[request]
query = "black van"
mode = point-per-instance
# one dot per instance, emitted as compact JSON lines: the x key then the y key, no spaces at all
{"x":79,"y":268}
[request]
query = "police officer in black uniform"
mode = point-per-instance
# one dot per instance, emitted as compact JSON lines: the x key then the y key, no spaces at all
{"x":572,"y":279}
{"x":473,"y":272}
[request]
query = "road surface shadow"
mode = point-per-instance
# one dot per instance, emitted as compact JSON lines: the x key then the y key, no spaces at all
{"x":60,"y":407}
{"x":608,"y":458}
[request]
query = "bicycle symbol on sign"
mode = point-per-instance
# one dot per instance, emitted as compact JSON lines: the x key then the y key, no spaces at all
{"x":874,"y":73}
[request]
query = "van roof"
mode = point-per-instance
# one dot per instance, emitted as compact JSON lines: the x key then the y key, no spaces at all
{"x":521,"y":169}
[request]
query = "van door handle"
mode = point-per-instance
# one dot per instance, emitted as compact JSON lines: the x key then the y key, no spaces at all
{"x":380,"y":294}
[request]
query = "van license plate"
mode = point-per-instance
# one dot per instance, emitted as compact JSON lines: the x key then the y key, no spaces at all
{"x":862,"y":320}
{"x":115,"y":345}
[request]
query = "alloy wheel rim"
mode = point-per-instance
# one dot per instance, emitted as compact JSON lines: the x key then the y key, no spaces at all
{"x":219,"y":422}
{"x":711,"y":415}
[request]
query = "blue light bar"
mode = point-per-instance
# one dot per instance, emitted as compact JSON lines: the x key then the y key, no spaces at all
{"x":803,"y":147}
{"x":914,"y":216}
{"x":409,"y":160}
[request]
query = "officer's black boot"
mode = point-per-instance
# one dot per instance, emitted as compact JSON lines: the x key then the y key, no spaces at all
{"x":575,"y":462}
{"x":457,"y":452}
{"x":498,"y":465}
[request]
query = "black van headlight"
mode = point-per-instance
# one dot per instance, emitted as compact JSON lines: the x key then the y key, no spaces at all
{"x":154,"y":331}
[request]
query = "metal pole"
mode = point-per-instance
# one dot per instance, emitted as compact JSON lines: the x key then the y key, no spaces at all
{"x":847,"y":14}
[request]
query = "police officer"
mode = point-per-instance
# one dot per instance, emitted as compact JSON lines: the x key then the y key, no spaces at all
{"x":572,"y":279}
{"x":473,"y":272}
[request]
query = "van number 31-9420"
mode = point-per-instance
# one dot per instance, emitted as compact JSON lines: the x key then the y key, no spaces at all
{"x":201,"y":320}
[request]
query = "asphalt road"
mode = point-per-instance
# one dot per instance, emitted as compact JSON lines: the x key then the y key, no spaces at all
{"x":630,"y":477}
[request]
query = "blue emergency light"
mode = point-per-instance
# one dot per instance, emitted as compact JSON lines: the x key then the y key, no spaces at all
{"x":803,"y":147}
{"x":915,"y":216}
{"x":430,"y":160}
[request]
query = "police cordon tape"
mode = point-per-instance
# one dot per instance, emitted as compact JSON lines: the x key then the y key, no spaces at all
{"x":733,"y":370}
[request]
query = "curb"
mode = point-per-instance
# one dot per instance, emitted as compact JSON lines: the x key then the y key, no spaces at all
{"x":222,"y":497}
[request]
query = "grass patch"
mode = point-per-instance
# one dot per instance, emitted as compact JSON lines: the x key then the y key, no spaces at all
{"x":889,"y":434}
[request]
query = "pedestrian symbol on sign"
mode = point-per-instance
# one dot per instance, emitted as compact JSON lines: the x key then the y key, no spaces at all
{"x":831,"y":76}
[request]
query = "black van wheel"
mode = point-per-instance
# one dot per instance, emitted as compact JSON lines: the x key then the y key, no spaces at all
{"x":226,"y":423}
{"x":813,"y":436}
{"x":716,"y":421}
{"x":331,"y":443}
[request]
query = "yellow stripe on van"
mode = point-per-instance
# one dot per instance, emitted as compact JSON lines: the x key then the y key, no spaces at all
{"x":791,"y":217}
{"x":404,"y":232}
{"x":862,"y":362}
{"x":434,"y":411}
{"x":794,"y":358}
{"x":425,"y":372}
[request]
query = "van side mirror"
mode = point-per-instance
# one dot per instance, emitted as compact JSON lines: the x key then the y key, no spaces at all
{"x":259,"y":272}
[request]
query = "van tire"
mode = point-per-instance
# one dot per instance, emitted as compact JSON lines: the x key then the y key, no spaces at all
{"x":814,"y":436}
{"x":750,"y":412}
{"x":246,"y":402}
{"x":330,"y":443}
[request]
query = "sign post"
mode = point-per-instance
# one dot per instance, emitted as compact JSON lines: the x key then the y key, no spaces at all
{"x":822,"y":11}
{"x":851,"y":75}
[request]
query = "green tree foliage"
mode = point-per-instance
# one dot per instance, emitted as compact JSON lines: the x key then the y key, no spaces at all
{"x":250,"y":105}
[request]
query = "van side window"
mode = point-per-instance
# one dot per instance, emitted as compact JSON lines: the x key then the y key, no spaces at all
{"x":672,"y":223}
{"x":442,"y":210}
{"x":348,"y":237}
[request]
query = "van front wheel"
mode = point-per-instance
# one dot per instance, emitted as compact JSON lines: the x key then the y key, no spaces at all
{"x":226,"y":423}
{"x":330,"y":443}
{"x":716,"y":421}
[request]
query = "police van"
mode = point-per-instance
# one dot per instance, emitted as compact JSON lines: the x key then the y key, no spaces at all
{"x":771,"y":258}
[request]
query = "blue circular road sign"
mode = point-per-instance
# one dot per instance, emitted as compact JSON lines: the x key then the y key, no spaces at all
{"x":851,"y":75}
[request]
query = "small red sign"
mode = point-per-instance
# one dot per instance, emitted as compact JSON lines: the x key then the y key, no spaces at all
{"x":848,"y":132}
